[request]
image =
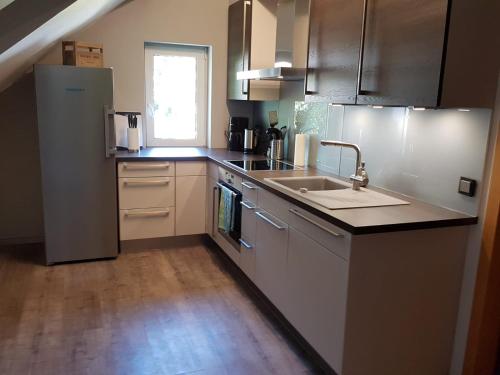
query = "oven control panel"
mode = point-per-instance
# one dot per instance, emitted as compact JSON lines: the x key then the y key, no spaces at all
{"x":230,"y":178}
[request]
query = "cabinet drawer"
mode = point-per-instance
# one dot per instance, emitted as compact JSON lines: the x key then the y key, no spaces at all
{"x":248,"y":221}
{"x":328,"y":235}
{"x":274,"y":205}
{"x":250,"y":191}
{"x":190,"y":168}
{"x":270,"y":257}
{"x":146,"y":223}
{"x":146,"y":192}
{"x":146,"y":169}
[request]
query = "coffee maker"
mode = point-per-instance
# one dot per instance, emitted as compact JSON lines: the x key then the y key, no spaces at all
{"x":237,"y":126}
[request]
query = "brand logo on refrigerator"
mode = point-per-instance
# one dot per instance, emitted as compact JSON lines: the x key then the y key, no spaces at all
{"x":74,"y":89}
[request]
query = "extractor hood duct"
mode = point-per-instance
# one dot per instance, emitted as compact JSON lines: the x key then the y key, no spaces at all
{"x":291,"y":44}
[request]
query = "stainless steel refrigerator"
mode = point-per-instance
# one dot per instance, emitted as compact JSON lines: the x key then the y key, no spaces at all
{"x":77,"y":146}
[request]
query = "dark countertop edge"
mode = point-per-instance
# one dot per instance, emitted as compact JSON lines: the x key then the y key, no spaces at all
{"x":372,"y":229}
{"x":164,"y":158}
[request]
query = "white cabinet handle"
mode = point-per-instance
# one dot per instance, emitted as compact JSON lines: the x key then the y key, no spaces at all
{"x":147,"y":213}
{"x":297,"y":213}
{"x":145,"y":166}
{"x":247,"y":205}
{"x":245,"y":244}
{"x":265,"y":218}
{"x":248,"y":185}
{"x":145,"y":183}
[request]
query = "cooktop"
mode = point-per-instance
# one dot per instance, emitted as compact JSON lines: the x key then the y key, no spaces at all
{"x":261,"y":165}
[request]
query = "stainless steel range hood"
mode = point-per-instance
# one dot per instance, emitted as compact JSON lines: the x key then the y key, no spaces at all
{"x":273,"y":74}
{"x":291,"y":44}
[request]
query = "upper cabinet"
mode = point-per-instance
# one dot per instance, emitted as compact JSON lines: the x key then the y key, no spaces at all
{"x":401,"y":52}
{"x":424,"y":53}
{"x":251,"y":45}
{"x":334,"y":38}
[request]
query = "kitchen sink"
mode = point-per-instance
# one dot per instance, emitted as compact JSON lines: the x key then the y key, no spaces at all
{"x":305,"y":184}
{"x":333,"y":194}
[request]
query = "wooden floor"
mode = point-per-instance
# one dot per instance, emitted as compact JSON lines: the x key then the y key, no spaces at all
{"x":175,"y":311}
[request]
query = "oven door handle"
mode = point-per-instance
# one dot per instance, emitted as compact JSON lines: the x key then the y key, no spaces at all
{"x":222,"y":186}
{"x":215,"y":209}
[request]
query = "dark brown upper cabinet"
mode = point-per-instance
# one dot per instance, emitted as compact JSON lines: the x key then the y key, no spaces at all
{"x":238,"y":48}
{"x":333,"y":58}
{"x":251,"y":45}
{"x":423,"y":53}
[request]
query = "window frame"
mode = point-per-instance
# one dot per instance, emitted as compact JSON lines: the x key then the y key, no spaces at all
{"x":202,"y":88}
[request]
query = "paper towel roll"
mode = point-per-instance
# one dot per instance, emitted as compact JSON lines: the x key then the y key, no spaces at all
{"x":301,"y":153}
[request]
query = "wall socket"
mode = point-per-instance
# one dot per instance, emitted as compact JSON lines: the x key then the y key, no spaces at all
{"x":467,"y":186}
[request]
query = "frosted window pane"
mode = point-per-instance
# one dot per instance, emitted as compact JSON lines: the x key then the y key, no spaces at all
{"x":174,"y":97}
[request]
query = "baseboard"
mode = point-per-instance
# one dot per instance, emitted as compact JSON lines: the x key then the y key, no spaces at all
{"x":162,"y":243}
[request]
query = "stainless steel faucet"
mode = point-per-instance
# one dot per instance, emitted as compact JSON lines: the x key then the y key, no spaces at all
{"x":360,"y":177}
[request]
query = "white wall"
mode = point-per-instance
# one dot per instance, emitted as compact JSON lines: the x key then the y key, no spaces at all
{"x":124,"y":31}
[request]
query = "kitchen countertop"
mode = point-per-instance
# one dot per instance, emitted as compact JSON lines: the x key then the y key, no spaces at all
{"x":416,"y":215}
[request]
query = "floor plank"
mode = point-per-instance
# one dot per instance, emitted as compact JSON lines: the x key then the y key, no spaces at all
{"x":175,"y":311}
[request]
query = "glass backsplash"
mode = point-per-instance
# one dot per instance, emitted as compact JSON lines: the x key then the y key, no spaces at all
{"x":418,"y":153}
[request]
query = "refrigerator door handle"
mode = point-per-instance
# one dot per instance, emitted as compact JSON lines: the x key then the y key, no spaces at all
{"x":109,"y":131}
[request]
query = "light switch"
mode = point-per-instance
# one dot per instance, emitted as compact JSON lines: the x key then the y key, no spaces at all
{"x":467,"y":186}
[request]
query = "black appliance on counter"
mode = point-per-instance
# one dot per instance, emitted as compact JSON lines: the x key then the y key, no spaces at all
{"x":262,"y":165}
{"x":237,"y":126}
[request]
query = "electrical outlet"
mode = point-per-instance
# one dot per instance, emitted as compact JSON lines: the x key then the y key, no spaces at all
{"x":467,"y":186}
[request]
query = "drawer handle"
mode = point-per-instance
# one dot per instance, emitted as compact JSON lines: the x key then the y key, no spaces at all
{"x":147,"y":213}
{"x":146,"y":183}
{"x":245,"y":244}
{"x":297,"y":213}
{"x":145,"y":166}
{"x":248,"y":185}
{"x":265,"y":218}
{"x":247,"y":205}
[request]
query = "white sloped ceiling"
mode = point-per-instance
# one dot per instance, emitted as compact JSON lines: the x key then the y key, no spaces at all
{"x":21,"y":56}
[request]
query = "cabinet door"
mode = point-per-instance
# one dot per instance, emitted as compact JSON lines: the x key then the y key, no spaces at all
{"x":316,"y":296}
{"x":270,"y":257}
{"x":334,"y":42}
{"x":248,"y":236}
{"x":403,"y":51}
{"x":238,"y":48}
{"x":190,"y":203}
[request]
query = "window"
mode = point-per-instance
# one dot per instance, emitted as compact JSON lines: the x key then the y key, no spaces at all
{"x":176,"y":95}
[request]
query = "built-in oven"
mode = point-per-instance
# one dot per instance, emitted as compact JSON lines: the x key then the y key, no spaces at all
{"x":227,"y":209}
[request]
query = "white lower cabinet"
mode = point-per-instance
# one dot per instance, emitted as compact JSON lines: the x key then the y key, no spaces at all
{"x":190,"y":204}
{"x":248,"y":238}
{"x":383,"y":303}
{"x":146,"y":223}
{"x":316,"y":284}
{"x":190,"y":197}
{"x":146,"y":192}
{"x":270,"y":257}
